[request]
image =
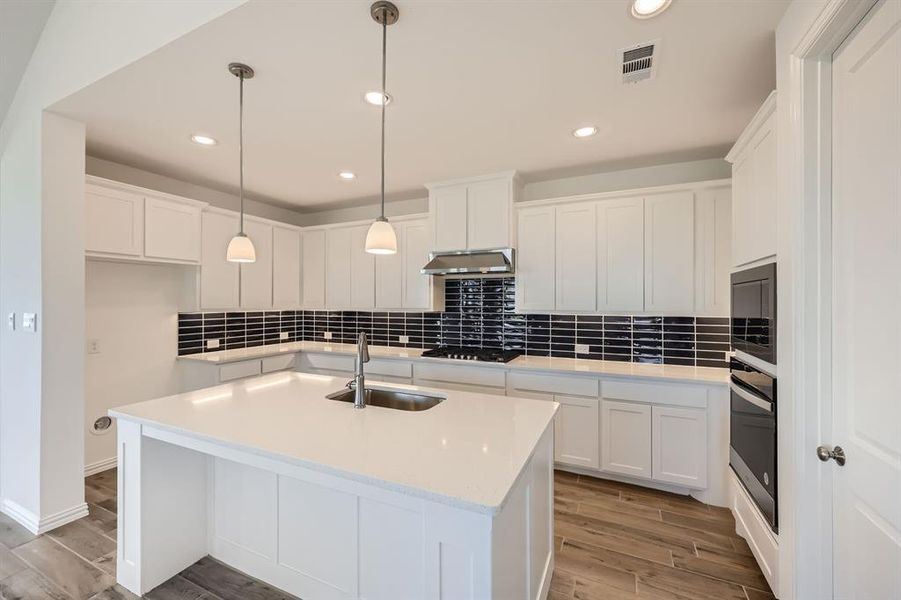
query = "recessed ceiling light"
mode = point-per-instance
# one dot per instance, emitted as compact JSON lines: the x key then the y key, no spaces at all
{"x":203,"y":140}
{"x":375,"y":98}
{"x":347,"y":175}
{"x":645,"y":9}
{"x":584,"y":132}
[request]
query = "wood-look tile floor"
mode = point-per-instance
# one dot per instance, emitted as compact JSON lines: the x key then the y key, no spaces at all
{"x":616,"y":541}
{"x":613,"y":541}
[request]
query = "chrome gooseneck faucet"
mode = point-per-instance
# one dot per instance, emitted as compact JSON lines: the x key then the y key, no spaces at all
{"x":359,"y":381}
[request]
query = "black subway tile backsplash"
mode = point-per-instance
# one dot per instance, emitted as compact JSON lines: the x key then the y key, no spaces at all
{"x":478,"y":312}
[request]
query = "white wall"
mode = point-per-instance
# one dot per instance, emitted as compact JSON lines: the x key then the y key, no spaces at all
{"x":131,"y":310}
{"x":41,"y":392}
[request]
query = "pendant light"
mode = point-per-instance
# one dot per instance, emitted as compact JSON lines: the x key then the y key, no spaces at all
{"x":240,"y":248}
{"x":381,"y":238}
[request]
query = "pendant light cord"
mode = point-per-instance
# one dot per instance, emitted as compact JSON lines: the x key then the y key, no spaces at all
{"x":241,"y":147}
{"x":384,"y":103}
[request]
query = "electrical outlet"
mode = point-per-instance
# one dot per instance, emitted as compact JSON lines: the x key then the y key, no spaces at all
{"x":403,"y":339}
{"x":94,"y":346}
{"x":12,"y":321}
{"x":582,"y":349}
{"x":212,"y":344}
{"x":29,"y":322}
{"x":283,"y":335}
{"x":327,"y":335}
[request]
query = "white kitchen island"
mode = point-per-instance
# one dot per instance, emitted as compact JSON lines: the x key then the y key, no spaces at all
{"x":325,"y":501}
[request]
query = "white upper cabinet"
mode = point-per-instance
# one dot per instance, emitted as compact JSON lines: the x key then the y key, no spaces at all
{"x":285,"y":267}
{"x":114,"y":221}
{"x":171,"y":230}
{"x":713,"y":248}
{"x":620,"y":239}
{"x":576,"y":256}
{"x":753,"y":159}
{"x":362,"y":270}
{"x":415,"y":251}
{"x":473,"y":214}
{"x":535,"y":259}
{"x":389,"y":275}
{"x":256,"y":277}
{"x":313,"y":271}
{"x":337,"y":268}
{"x":218,"y":277}
{"x":669,"y":226}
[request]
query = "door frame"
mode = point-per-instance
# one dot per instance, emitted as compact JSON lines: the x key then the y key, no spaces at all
{"x":807,"y":36}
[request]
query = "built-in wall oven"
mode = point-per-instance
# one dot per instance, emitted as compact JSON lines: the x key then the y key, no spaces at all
{"x":752,"y":451}
{"x":754,"y":312}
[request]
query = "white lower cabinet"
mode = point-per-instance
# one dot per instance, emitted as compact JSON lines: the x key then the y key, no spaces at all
{"x":626,"y":438}
{"x":576,"y":432}
{"x":680,"y":445}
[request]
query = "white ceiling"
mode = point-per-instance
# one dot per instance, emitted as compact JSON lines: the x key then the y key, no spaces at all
{"x":479,"y":87}
{"x":21,"y":24}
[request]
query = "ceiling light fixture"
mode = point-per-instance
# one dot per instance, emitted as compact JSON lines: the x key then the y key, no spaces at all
{"x":375,"y":98}
{"x":347,"y":175}
{"x":240,"y":248}
{"x":381,"y":237}
{"x":203,"y":140}
{"x":645,"y":9}
{"x":584,"y":132}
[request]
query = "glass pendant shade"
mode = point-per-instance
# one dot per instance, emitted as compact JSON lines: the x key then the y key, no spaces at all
{"x":381,"y":238}
{"x":241,"y":250}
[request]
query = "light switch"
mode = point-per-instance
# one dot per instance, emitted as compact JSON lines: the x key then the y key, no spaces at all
{"x":12,"y":321}
{"x":29,"y":322}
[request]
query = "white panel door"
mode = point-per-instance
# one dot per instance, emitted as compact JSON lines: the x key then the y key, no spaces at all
{"x":337,"y":268}
{"x":285,"y":268}
{"x":620,"y":268}
{"x":535,"y":259}
{"x":114,"y":221}
{"x":713,"y":247}
{"x":256,"y":278}
{"x":245,"y":512}
{"x":679,"y":443}
{"x":171,"y":230}
{"x":669,"y":264}
{"x":362,"y":271}
{"x":762,"y":209}
{"x":866,"y":262}
{"x":415,"y":255}
{"x":576,"y":257}
{"x":626,"y":438}
{"x":489,"y":208}
{"x":399,"y":573}
{"x":313,"y":272}
{"x":576,"y":432}
{"x":218,"y":277}
{"x":389,"y":276}
{"x":449,"y":211}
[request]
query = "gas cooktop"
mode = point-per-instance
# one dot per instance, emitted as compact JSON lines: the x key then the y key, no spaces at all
{"x":480,"y":354}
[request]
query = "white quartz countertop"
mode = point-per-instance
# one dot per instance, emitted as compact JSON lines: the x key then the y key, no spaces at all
{"x":523,"y":363}
{"x":467,"y":451}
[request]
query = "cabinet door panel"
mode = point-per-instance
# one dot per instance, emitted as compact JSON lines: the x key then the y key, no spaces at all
{"x":763,"y":196}
{"x":626,"y":438}
{"x":362,"y":270}
{"x":576,"y":432}
{"x":256,"y":278}
{"x":713,"y":248}
{"x":171,"y":230}
{"x":620,"y":226}
{"x":415,"y":255}
{"x":313,"y":274}
{"x":114,"y":221}
{"x":337,"y":272}
{"x":742,"y":212}
{"x":680,"y":446}
{"x":389,"y":276}
{"x":670,"y":253}
{"x":535,"y":259}
{"x":218,"y":277}
{"x":285,"y":268}
{"x":576,"y":257}
{"x":449,"y":211}
{"x":489,"y":204}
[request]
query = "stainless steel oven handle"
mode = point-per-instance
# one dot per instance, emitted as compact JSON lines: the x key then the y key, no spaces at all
{"x":756,"y":401}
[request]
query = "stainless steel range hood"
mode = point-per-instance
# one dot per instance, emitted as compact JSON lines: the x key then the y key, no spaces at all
{"x":477,"y":262}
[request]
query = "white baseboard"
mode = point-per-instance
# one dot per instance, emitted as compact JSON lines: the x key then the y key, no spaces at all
{"x":100,"y":466}
{"x":38,"y":525}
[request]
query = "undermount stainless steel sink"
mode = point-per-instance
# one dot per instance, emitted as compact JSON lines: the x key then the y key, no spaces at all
{"x":396,"y":399}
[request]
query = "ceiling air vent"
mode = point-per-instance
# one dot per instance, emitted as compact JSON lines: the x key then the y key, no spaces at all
{"x":639,"y":62}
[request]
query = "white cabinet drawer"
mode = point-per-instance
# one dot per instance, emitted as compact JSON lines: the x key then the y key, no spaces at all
{"x":461,"y":375}
{"x":677,"y":394}
{"x":238,"y":370}
{"x":278,"y":363}
{"x":551,"y":384}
